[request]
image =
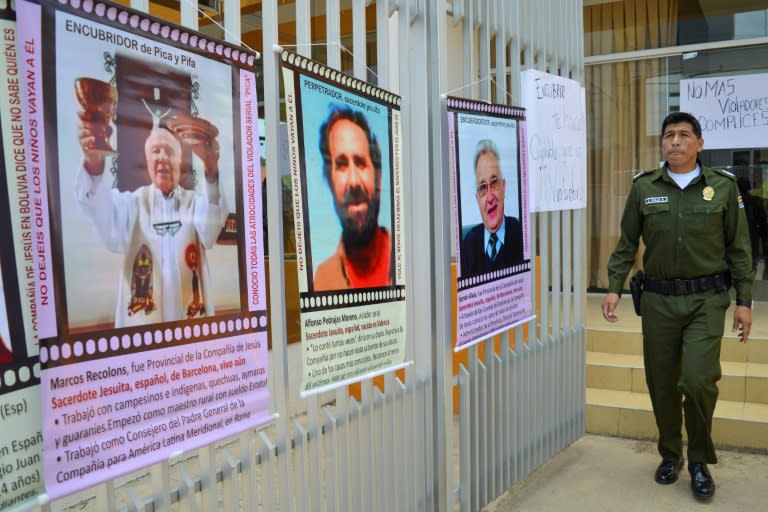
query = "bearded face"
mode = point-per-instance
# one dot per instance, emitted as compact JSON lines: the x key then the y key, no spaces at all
{"x":355,"y":184}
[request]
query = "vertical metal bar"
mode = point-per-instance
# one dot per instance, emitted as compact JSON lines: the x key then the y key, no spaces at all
{"x":465,"y":441}
{"x":514,"y":53}
{"x":568,"y":362}
{"x":580,"y":284}
{"x":382,"y":471}
{"x":268,"y":477}
{"x":161,"y":483}
{"x":342,"y":426}
{"x":501,"y":51}
{"x":105,"y":496}
{"x":487,"y":398}
{"x":485,"y":56}
{"x":247,"y":475}
{"x":367,"y":439}
{"x":557,"y":332}
{"x":208,"y":485}
{"x":413,"y":421}
{"x":401,"y":439}
{"x":188,"y":495}
{"x":355,"y":456}
{"x":468,"y":34}
{"x":497,"y":452}
{"x":358,"y":38}
{"x":382,"y":43}
{"x":303,"y":28}
{"x":333,"y":492}
{"x":140,"y":5}
{"x":232,"y":21}
{"x":189,"y":14}
{"x":333,"y":33}
{"x":390,"y":425}
{"x":279,"y":360}
{"x":230,"y":493}
{"x":505,"y":394}
{"x":314,"y":452}
{"x":472,"y":403}
{"x":300,"y":456}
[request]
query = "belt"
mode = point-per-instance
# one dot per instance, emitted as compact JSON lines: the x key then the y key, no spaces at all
{"x":720,"y":282}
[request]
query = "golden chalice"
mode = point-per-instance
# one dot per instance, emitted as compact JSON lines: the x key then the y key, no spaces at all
{"x":192,"y":130}
{"x":99,"y":102}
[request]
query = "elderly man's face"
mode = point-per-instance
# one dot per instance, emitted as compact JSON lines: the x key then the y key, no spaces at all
{"x":355,"y":184}
{"x":163,"y":153}
{"x":490,"y":191}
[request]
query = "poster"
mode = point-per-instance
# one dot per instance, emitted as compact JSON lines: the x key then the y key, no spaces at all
{"x":143,"y":158}
{"x":21,"y":441}
{"x":556,"y":118}
{"x":732,"y":110}
{"x":347,"y":182}
{"x":490,"y":202}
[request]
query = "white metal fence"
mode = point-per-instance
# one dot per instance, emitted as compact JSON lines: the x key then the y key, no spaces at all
{"x":401,"y":448}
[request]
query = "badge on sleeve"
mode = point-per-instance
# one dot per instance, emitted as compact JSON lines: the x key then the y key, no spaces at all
{"x":708,"y":193}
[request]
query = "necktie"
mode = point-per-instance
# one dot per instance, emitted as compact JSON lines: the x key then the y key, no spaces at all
{"x":492,"y":243}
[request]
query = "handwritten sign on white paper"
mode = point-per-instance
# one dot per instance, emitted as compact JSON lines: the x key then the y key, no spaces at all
{"x":556,"y":120}
{"x":732,"y":110}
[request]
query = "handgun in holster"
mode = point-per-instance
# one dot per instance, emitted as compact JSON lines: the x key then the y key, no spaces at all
{"x":636,"y":289}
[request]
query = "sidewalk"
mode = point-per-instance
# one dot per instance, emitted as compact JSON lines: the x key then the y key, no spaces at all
{"x":598,"y":474}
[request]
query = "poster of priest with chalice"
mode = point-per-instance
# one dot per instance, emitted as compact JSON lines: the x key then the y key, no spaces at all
{"x":152,"y":153}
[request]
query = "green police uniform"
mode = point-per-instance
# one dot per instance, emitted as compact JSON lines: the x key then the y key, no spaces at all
{"x":689,"y":234}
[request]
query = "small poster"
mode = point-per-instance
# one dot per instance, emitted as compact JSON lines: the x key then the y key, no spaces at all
{"x":490,"y":196}
{"x":21,"y":440}
{"x":556,"y":115}
{"x":143,"y":163}
{"x":732,"y":110}
{"x":347,"y":180}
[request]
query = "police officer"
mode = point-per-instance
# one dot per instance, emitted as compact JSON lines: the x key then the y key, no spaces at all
{"x":693,"y":225}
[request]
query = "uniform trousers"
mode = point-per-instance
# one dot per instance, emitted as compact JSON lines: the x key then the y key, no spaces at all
{"x":681,"y":350}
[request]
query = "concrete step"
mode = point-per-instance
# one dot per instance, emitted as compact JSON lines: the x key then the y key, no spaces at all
{"x":628,"y":414}
{"x":741,"y":382}
{"x":630,"y":342}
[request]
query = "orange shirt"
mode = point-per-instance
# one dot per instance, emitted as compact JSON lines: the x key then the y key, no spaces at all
{"x":339,"y":272}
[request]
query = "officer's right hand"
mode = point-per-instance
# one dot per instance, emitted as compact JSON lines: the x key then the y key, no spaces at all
{"x":609,"y":307}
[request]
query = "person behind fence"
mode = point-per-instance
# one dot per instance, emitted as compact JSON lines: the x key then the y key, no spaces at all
{"x":691,"y":219}
{"x":756,"y":218}
{"x":498,"y":242}
{"x":162,"y":229}
{"x":352,"y":168}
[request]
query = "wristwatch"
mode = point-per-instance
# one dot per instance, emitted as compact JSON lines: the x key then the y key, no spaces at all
{"x":747,"y":303}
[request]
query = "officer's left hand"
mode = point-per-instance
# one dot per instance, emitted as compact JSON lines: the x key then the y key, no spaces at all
{"x":742,"y":319}
{"x":609,"y":307}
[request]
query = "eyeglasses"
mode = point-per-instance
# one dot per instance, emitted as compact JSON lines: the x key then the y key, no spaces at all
{"x":484,"y":187}
{"x":167,"y":228}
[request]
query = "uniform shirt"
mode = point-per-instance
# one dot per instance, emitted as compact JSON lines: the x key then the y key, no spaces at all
{"x":694,"y":232}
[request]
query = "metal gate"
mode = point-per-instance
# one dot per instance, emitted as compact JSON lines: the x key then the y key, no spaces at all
{"x":400,"y":446}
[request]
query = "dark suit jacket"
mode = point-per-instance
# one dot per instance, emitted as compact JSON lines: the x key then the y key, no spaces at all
{"x":474,"y":259}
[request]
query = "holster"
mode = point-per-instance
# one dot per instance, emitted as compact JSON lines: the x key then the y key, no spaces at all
{"x":636,"y":289}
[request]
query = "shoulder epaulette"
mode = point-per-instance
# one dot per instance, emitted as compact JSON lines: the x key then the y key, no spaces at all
{"x":726,"y":173}
{"x":641,"y":173}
